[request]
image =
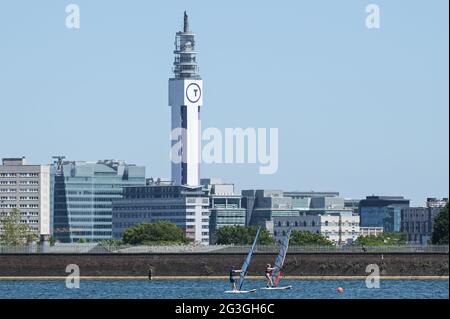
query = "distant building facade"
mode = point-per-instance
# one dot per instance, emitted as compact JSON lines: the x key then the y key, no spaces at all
{"x":418,"y":223}
{"x":225,"y":206}
{"x":371,"y":231}
{"x":435,"y":202}
{"x":82,"y":196}
{"x":26,"y":188}
{"x":308,"y":200}
{"x":185,"y":206}
{"x":382,"y":211}
{"x":263,"y":205}
{"x":340,"y":228}
{"x":352,"y":204}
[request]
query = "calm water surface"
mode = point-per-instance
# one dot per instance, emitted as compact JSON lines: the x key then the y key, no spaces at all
{"x":214,"y":289}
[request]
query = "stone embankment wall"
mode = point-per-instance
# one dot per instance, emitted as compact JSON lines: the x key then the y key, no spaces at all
{"x":210,"y":264}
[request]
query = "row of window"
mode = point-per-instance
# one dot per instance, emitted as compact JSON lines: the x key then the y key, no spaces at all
{"x":154,"y":207}
{"x":22,"y":190}
{"x":21,"y":198}
{"x":21,"y":213}
{"x":90,"y":192}
{"x":88,"y":233}
{"x":19,"y":174}
{"x":77,"y":227}
{"x":21,"y":206}
{"x":129,"y":224}
{"x":20,"y":182}
{"x":85,"y":220}
{"x":313,"y":224}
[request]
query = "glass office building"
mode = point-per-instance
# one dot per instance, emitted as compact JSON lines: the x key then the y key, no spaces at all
{"x":387,"y":217}
{"x":185,"y":206}
{"x":382,"y":211}
{"x":82,"y":195}
{"x":225,"y":206}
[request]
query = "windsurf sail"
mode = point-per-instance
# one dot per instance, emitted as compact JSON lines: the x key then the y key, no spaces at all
{"x":279,"y":262}
{"x":248,"y":260}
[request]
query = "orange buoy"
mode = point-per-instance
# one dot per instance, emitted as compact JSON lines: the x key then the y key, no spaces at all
{"x":340,"y":290}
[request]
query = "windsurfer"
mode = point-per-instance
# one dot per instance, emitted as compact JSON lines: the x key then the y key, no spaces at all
{"x":233,"y":273}
{"x":269,"y":273}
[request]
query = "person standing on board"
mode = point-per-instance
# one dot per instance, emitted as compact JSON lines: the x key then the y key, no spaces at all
{"x":233,"y":273}
{"x":269,"y":272}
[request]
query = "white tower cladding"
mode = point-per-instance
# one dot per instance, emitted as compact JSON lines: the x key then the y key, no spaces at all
{"x":185,"y":98}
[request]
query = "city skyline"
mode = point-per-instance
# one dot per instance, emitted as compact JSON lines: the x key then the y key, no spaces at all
{"x":114,"y":93}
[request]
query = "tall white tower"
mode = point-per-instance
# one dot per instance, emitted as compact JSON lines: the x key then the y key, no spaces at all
{"x":185,"y":98}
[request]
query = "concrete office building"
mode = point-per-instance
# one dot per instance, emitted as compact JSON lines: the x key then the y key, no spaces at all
{"x":340,"y":228}
{"x":263,"y":205}
{"x":27,"y":188}
{"x":225,"y":206}
{"x":371,"y":231}
{"x":82,"y":196}
{"x":185,"y":206}
{"x":382,"y":211}
{"x":435,"y":202}
{"x":352,"y":204}
{"x":418,"y":223}
{"x":319,"y":202}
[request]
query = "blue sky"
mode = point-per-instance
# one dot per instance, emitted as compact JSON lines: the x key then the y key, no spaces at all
{"x":358,"y":111}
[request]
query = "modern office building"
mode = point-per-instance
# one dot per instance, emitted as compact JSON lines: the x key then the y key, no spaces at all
{"x":82,"y":196}
{"x":382,"y":211}
{"x":263,"y":205}
{"x":418,"y":223}
{"x":26,"y":188}
{"x":225,"y":206}
{"x":185,"y":206}
{"x":435,"y":202}
{"x":340,"y":228}
{"x":185,"y":99}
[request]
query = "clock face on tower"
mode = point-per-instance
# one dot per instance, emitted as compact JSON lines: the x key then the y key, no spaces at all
{"x":193,"y":92}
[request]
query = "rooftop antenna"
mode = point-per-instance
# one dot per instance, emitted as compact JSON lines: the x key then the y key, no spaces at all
{"x":186,"y":22}
{"x":59,"y":161}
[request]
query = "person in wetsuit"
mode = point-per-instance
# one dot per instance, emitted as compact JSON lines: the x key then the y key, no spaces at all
{"x":269,"y":272}
{"x":233,"y":273}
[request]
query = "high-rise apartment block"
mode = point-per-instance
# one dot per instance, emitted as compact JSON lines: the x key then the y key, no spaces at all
{"x":26,"y":188}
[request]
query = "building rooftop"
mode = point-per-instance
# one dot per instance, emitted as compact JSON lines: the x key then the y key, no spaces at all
{"x":14,"y":161}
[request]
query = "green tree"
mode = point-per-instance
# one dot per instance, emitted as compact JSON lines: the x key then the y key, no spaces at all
{"x":265,"y":237}
{"x":305,"y":238}
{"x":440,"y":228}
{"x":154,"y":233}
{"x":16,"y":233}
{"x":384,"y":239}
{"x":240,"y":235}
{"x":52,"y":241}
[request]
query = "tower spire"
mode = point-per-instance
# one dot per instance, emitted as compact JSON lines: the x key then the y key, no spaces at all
{"x":186,"y":22}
